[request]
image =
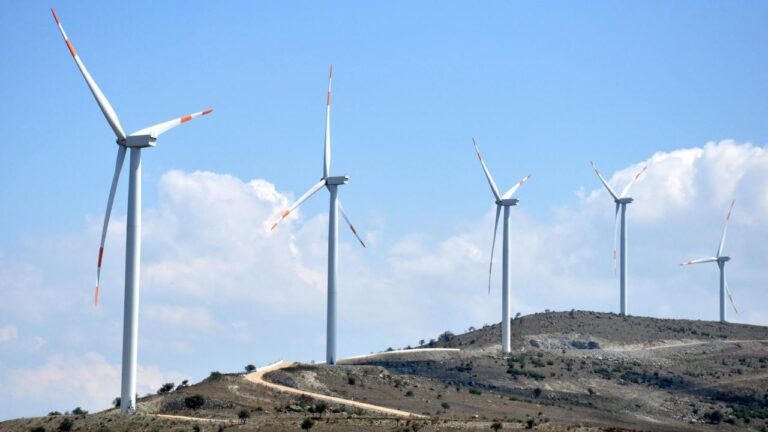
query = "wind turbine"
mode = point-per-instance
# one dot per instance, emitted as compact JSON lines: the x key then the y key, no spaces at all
{"x":146,"y":137}
{"x":720,"y":259}
{"x":331,"y":183}
{"x":621,"y":203}
{"x":506,"y":201}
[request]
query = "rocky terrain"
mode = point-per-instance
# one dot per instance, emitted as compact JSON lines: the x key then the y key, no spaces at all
{"x":583,"y":371}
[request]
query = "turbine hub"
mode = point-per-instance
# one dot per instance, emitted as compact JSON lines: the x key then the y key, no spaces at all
{"x":338,"y":180}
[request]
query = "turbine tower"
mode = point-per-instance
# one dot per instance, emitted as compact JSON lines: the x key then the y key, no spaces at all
{"x":720,"y":259}
{"x":621,"y":204}
{"x":331,"y":183}
{"x":143,"y":138}
{"x":506,"y":201}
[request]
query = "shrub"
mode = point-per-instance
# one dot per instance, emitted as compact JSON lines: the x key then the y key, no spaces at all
{"x":250,"y":368}
{"x":214,"y":376}
{"x":194,"y":402}
{"x":165,"y":388}
{"x":243,"y":415}
{"x":116,"y":402}
{"x":79,"y":411}
{"x":65,"y":425}
{"x":183,"y":384}
{"x":475,"y":391}
{"x":307,"y":424}
{"x":54,"y":413}
{"x":529,"y":423}
{"x":446,"y":336}
{"x":37,"y":429}
{"x":409,"y":393}
{"x":422,"y":342}
{"x":351,"y":380}
{"x":537,"y":392}
{"x":445,"y":405}
{"x":496,"y":425}
{"x":714,"y":417}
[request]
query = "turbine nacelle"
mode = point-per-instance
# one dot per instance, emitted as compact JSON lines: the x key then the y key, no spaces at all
{"x":507,"y":202}
{"x":138,"y":141}
{"x":337,"y":180}
{"x":723,"y":259}
{"x":625,"y":200}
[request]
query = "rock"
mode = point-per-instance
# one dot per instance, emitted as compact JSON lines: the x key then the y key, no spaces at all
{"x":295,"y":408}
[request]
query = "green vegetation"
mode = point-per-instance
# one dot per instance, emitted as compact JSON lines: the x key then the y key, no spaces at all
{"x":249,"y":368}
{"x":194,"y":402}
{"x":307,"y":424}
{"x":166,"y":388}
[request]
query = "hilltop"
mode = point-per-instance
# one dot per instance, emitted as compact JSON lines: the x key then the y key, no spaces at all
{"x":576,"y":370}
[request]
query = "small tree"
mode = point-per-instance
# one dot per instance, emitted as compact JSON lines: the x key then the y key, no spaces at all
{"x":183,"y":384}
{"x":307,"y":424}
{"x":116,"y":402}
{"x":37,"y":429}
{"x":496,"y":425}
{"x":250,"y":368}
{"x":54,"y":413}
{"x":537,"y":392}
{"x":243,"y":415}
{"x":79,"y":411}
{"x":445,"y":405}
{"x":194,"y":402}
{"x":166,"y":388}
{"x":421,"y":342}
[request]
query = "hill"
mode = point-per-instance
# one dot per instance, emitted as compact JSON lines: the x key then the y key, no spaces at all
{"x":576,"y":370}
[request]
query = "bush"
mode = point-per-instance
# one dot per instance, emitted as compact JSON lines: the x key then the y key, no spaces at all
{"x":446,"y":336}
{"x":409,"y":394}
{"x":165,"y":388}
{"x":183,"y":384}
{"x":475,"y":391}
{"x":536,"y":392}
{"x":496,"y":425}
{"x":79,"y":411}
{"x":214,"y":376}
{"x":351,"y":380}
{"x":307,"y":424}
{"x":445,"y":405}
{"x":116,"y":402}
{"x":713,"y":417}
{"x":65,"y":425}
{"x":250,"y":368}
{"x":243,"y":415}
{"x":37,"y":429}
{"x":194,"y":402}
{"x":54,"y":413}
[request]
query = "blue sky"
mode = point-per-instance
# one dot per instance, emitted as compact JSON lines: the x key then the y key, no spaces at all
{"x":544,"y":86}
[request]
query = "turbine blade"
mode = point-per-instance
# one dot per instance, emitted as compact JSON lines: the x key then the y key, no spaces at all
{"x":605,"y":183}
{"x":493,"y":245}
{"x":106,"y":108}
{"x":160,"y":128}
{"x":110,"y":201}
{"x":492,"y":183}
{"x":512,"y":190}
{"x":699,"y":261}
{"x":615,"y":239}
{"x":319,"y":185}
{"x":725,"y":228}
{"x":730,"y":297}
{"x":351,"y":227}
{"x":634,"y":179}
{"x":327,"y":154}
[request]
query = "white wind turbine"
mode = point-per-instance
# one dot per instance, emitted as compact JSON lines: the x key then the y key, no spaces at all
{"x":720,"y":259}
{"x":506,"y":201}
{"x":621,"y":203}
{"x":146,"y":137}
{"x":332,"y":184}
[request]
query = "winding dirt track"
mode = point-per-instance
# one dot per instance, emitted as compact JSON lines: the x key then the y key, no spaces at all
{"x":258,"y":378}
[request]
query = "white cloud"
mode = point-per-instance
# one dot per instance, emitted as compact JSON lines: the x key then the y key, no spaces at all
{"x":8,"y":332}
{"x":88,"y":381}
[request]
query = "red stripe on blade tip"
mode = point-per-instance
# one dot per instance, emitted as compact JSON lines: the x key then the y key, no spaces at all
{"x":71,"y":48}
{"x":208,"y":111}
{"x":186,"y":118}
{"x":55,"y":16}
{"x":101,"y":254}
